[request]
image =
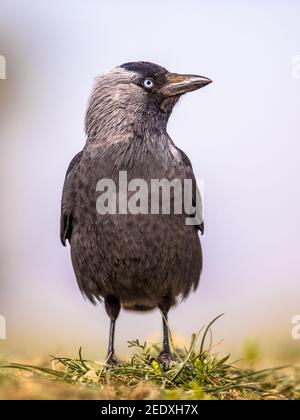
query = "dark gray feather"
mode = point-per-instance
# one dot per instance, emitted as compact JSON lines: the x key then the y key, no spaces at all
{"x":66,"y":222}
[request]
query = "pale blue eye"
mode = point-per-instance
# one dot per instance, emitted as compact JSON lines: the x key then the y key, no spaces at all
{"x":148,"y":83}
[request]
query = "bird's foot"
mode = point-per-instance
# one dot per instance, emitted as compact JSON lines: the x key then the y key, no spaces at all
{"x":165,"y":360}
{"x":112,"y":360}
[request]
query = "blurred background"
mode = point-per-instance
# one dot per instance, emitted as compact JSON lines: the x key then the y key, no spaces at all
{"x":242,"y":134}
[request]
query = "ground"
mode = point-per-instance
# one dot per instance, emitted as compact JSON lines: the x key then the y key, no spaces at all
{"x":197,"y":373}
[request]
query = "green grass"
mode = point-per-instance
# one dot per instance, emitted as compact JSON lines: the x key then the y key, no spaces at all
{"x":197,"y":373}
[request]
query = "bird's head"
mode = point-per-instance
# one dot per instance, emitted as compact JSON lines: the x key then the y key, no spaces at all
{"x":136,"y":92}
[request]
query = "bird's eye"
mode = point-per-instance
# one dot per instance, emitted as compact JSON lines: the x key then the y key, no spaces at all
{"x":148,"y":83}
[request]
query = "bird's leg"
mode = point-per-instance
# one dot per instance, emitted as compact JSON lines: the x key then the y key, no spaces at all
{"x":166,"y":341}
{"x":112,"y":306}
{"x":165,"y":357}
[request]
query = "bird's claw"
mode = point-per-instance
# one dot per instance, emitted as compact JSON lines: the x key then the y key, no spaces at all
{"x":165,"y":360}
{"x":112,"y":360}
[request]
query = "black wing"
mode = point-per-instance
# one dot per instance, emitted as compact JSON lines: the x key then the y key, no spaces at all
{"x":66,"y":217}
{"x":190,"y":173}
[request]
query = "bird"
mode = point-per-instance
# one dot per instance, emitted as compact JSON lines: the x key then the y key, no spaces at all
{"x":138,"y":261}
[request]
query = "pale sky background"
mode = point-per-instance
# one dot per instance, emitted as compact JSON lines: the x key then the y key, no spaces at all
{"x":242,"y":134}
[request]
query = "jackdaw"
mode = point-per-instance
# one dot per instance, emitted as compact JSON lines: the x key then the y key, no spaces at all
{"x":136,"y":261}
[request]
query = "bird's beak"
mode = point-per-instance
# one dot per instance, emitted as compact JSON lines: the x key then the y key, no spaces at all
{"x":178,"y":84}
